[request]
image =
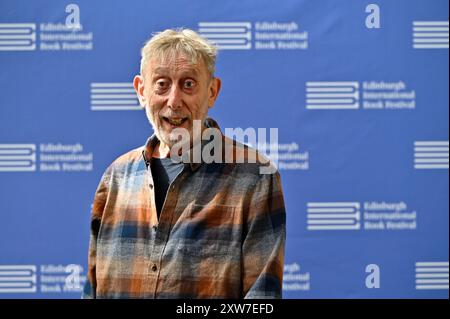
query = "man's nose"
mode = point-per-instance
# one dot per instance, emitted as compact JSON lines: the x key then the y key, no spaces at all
{"x":174,"y":99}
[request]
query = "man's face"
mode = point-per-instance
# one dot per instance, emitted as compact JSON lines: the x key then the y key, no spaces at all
{"x":175,"y":92}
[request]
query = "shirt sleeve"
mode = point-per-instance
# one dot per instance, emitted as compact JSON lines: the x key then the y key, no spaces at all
{"x":264,"y":240}
{"x":101,"y":194}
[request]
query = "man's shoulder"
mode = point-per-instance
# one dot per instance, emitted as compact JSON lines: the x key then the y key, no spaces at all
{"x":247,"y":157}
{"x":131,"y":157}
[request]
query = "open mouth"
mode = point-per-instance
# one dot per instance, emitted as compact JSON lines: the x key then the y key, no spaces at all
{"x":175,"y":121}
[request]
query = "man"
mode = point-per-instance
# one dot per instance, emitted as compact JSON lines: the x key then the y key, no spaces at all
{"x":165,"y":228}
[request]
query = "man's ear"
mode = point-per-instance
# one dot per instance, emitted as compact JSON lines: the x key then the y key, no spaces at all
{"x":138,"y":83}
{"x":214,"y":90}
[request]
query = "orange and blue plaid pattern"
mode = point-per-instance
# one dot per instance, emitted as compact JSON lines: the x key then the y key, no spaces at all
{"x":221,"y":232}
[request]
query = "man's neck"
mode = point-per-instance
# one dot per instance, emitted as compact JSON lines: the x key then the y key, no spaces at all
{"x":161,"y":150}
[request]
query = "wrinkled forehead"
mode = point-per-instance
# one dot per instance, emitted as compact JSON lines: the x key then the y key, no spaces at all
{"x":175,"y":62}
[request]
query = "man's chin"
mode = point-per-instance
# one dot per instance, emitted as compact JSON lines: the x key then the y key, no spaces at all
{"x":172,"y":130}
{"x":172,"y":138}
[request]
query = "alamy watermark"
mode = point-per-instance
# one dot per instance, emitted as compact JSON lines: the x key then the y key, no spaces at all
{"x":209,"y":146}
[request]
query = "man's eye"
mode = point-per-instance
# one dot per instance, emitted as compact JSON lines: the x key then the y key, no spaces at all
{"x":161,"y":84}
{"x":189,"y":84}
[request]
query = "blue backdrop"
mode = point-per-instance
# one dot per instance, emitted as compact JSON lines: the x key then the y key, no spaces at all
{"x":357,"y":89}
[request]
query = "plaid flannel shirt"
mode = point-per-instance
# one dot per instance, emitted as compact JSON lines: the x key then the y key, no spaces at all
{"x":221,"y":232}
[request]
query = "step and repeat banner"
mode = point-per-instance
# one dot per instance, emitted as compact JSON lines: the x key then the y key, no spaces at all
{"x":358,"y":91}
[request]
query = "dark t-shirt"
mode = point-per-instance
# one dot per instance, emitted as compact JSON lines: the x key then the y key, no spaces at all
{"x":164,"y":171}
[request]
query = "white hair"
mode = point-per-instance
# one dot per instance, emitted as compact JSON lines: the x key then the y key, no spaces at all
{"x":175,"y":41}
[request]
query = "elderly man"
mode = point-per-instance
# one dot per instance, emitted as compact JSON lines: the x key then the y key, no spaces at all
{"x":164,"y":228}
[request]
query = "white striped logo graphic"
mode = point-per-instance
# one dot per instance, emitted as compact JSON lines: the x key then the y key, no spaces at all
{"x":17,"y":36}
{"x":332,"y":95}
{"x":17,"y":157}
{"x":227,"y":35}
{"x":333,"y":216}
{"x":113,"y":97}
{"x":432,"y":275}
{"x":431,"y":154}
{"x":17,"y":278}
{"x":430,"y":34}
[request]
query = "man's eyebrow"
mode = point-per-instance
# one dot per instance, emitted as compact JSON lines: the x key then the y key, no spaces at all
{"x":184,"y":71}
{"x":161,"y":70}
{"x":190,"y":70}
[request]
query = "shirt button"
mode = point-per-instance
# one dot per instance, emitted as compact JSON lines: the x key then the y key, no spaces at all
{"x":154,"y":268}
{"x":150,"y":185}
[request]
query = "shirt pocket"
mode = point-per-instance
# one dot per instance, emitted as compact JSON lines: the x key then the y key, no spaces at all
{"x":209,"y":231}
